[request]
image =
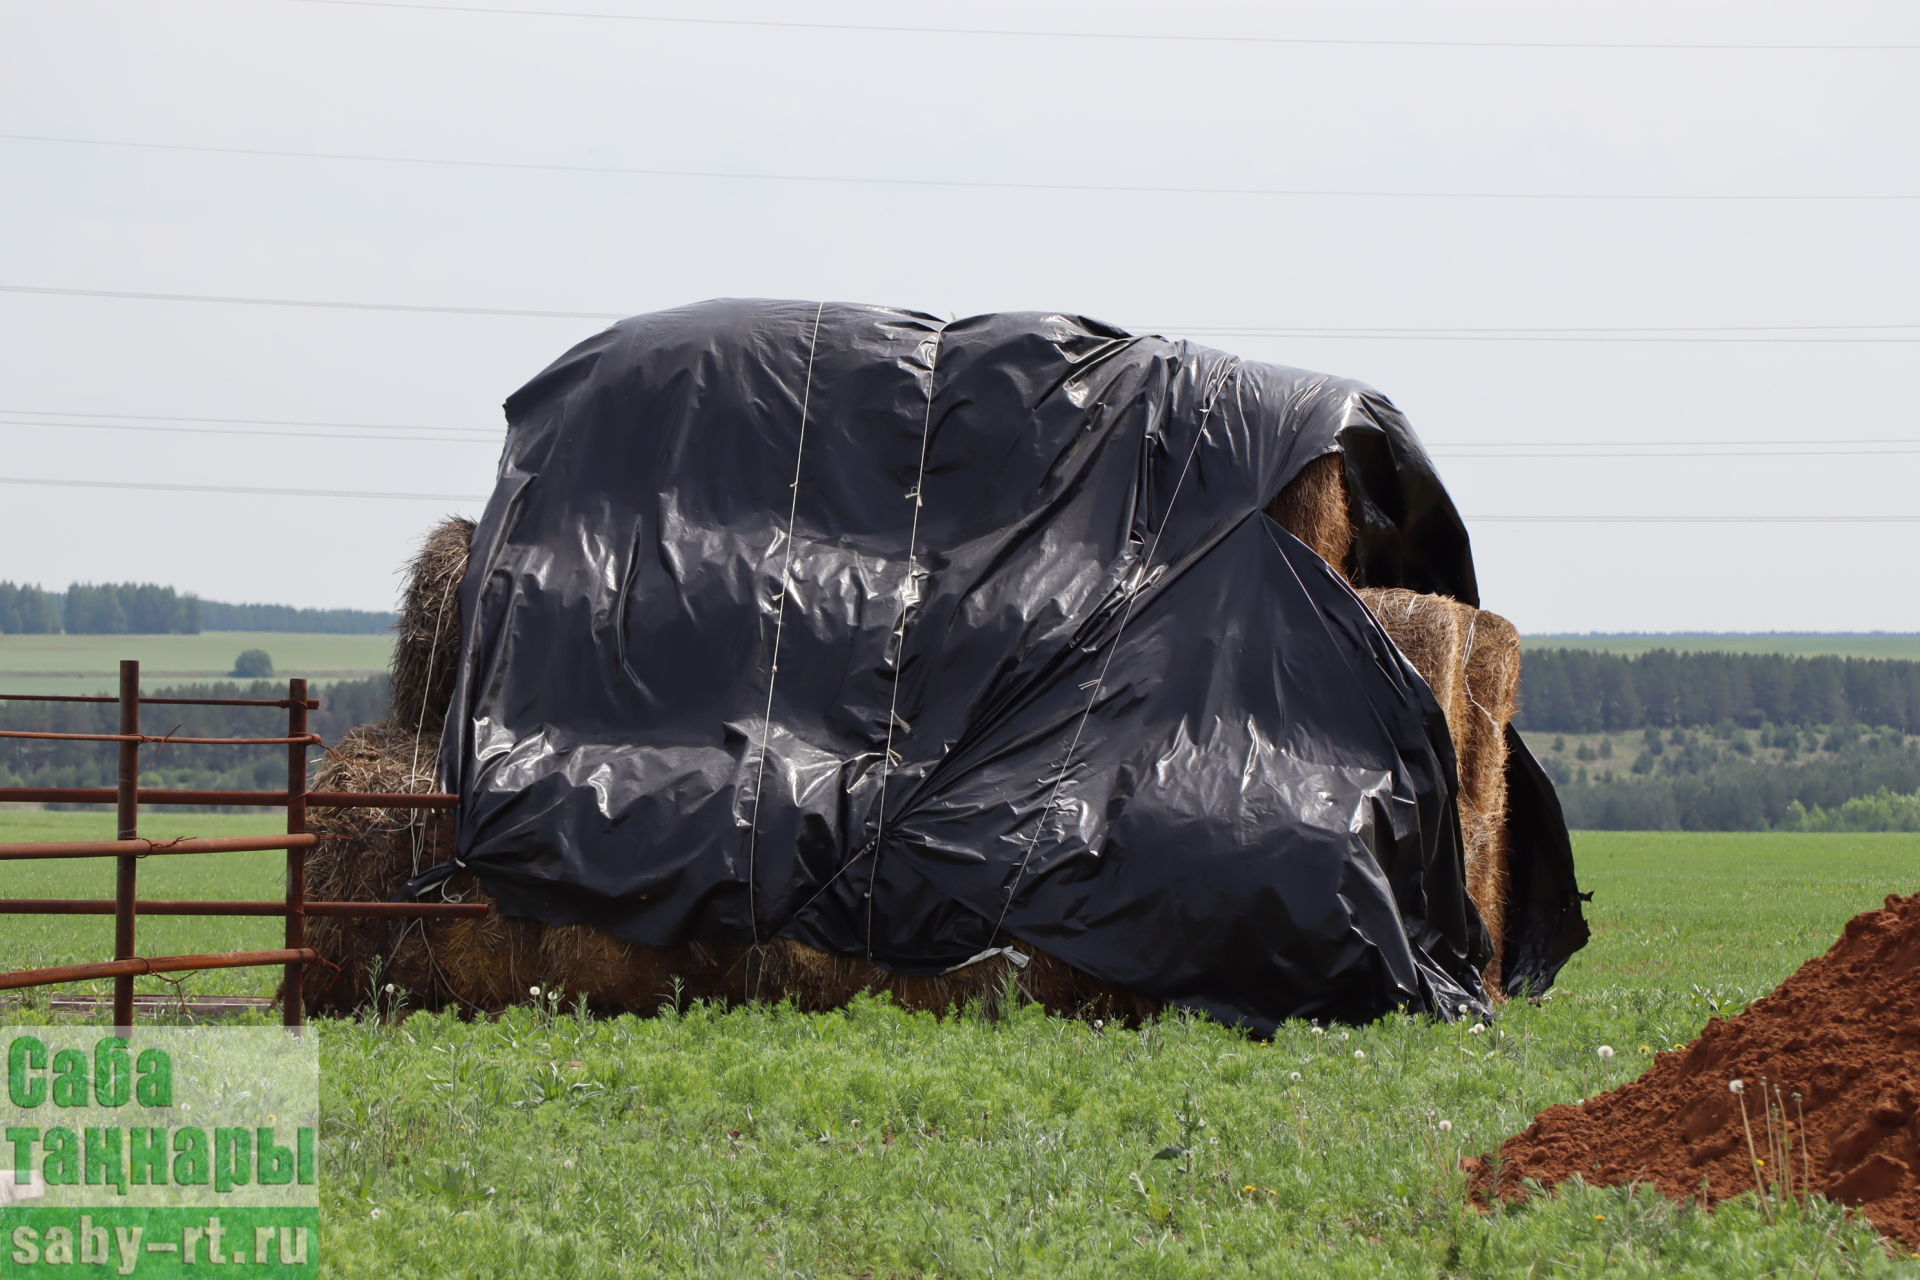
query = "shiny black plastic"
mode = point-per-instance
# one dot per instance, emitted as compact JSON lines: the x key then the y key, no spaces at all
{"x":906,"y":639}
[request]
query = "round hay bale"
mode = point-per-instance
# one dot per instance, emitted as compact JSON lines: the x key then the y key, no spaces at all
{"x":426,"y":653}
{"x":1313,"y":508}
{"x":1471,"y":660}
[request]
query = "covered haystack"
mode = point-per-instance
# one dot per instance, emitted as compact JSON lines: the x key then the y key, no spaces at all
{"x":1471,"y":660}
{"x":485,"y":965}
{"x":848,"y":624}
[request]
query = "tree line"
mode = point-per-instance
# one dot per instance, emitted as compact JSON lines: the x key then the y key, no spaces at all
{"x":28,"y":611}
{"x":44,"y":763}
{"x":285,"y":617}
{"x":144,"y":608}
{"x":1575,"y":691}
{"x":1700,"y":783}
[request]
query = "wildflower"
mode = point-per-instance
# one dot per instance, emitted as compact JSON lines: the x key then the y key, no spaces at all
{"x":1736,"y":1086}
{"x":1646,"y":1048}
{"x":1247,"y":1188}
{"x":1359,"y":1053}
{"x":1599,"y":1217}
{"x":1605,"y":1051}
{"x":1446,"y":1126}
{"x":1294,"y":1076}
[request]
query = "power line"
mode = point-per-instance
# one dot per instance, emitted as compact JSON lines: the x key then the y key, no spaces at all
{"x":245,"y":422}
{"x":252,"y":490}
{"x":470,"y":497}
{"x":1641,"y":444}
{"x":985,"y":184}
{"x":1767,"y":519}
{"x":1156,"y":38}
{"x":1497,"y":329}
{"x":1516,"y":336}
{"x":1433,"y":445}
{"x":314,"y":303}
{"x":1839,"y":449}
{"x":242,"y":431}
{"x":1440,"y":452}
{"x":1733,"y":335}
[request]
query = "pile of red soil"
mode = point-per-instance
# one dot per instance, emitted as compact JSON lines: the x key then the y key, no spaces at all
{"x":1843,"y":1033}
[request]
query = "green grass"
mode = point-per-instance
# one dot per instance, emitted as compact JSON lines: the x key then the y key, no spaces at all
{"x":875,"y":1143}
{"x":1874,"y":644}
{"x":90,"y":664}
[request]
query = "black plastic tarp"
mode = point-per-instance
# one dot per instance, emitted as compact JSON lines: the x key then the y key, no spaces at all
{"x":905,"y":638}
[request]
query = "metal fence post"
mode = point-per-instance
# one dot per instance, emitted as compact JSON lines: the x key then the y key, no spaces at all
{"x":126,"y":887}
{"x":293,"y":997}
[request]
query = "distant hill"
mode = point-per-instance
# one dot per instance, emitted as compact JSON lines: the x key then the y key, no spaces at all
{"x":1802,"y":644}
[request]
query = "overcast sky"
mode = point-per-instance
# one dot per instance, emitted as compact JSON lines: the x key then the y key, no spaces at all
{"x":978,"y":153}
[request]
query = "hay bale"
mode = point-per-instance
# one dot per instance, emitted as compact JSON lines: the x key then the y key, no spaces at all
{"x":1313,"y":508}
{"x":1471,"y":661}
{"x":427,"y":650}
{"x":1491,"y":681}
{"x":493,"y":962}
{"x":364,"y":856}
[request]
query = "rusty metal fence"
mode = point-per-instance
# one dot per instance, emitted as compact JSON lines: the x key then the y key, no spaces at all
{"x":126,"y":907}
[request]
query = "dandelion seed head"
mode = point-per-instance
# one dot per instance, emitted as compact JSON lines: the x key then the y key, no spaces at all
{"x":1446,"y":1126}
{"x":1294,"y":1076}
{"x":1359,"y":1053}
{"x":533,"y":991}
{"x":1605,"y":1051}
{"x":1736,"y":1086}
{"x":1478,"y":1028}
{"x":377,"y":1213}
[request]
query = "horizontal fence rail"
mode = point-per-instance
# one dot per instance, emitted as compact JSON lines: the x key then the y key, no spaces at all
{"x":137,"y":966}
{"x":127,"y":851}
{"x":262,"y":799}
{"x":139,"y":848}
{"x":208,"y":907}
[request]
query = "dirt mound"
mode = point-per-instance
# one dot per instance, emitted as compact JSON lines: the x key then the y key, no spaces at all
{"x":1830,"y":1062}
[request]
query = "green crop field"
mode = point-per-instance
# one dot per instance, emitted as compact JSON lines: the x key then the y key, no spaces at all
{"x":1873,"y":644}
{"x":90,"y":664}
{"x":877,"y":1143}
